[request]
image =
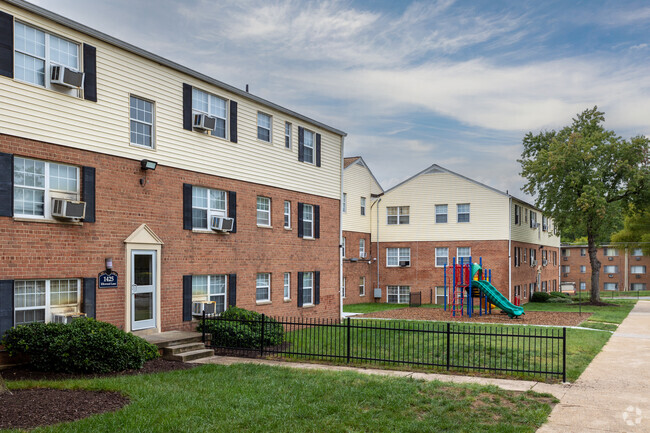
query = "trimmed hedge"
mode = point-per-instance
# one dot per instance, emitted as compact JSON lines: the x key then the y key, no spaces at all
{"x":559,"y":295}
{"x":240,"y":328}
{"x":540,"y":297}
{"x":559,"y":300}
{"x":83,"y":346}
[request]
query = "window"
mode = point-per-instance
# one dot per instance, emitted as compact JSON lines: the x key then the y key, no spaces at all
{"x":544,"y":223}
{"x":396,"y":255}
{"x":397,"y":215}
{"x":287,"y":214}
{"x":363,"y":206}
{"x":39,"y":300}
{"x":207,"y":203}
{"x":263,"y":127}
{"x":637,"y":286}
{"x":440,"y":295}
{"x":544,"y":286}
{"x":566,"y":253}
{"x":637,"y":270}
{"x":362,"y":286}
{"x":344,"y":203}
{"x":583,"y":252}
{"x":517,"y":257}
{"x":287,"y":135}
{"x":263,"y":287}
{"x":398,"y":294}
{"x":441,"y":213}
{"x":583,"y":269}
{"x":544,"y":256}
{"x":307,"y":288}
{"x":610,"y":252}
{"x":524,"y":251}
{"x":533,"y":220}
{"x":533,"y":255}
{"x":517,"y":214}
{"x":287,"y":285}
{"x":213,"y":106}
{"x":464,"y":254}
{"x":610,"y":269}
{"x":566,"y":269}
{"x":343,"y":247}
{"x":362,"y":248}
{"x":343,"y":288}
{"x":583,"y":286}
{"x":610,"y":286}
{"x":554,"y":258}
{"x":525,"y":215}
{"x":210,"y":288}
{"x":36,"y":52}
{"x":141,"y":113}
{"x":463,"y":212}
{"x":637,"y":252}
{"x":442,"y":257}
{"x":307,"y":221}
{"x":308,"y":146}
{"x":37,"y":182}
{"x":263,"y":211}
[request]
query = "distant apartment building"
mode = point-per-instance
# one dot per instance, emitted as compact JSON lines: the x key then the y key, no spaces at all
{"x":622,"y":269}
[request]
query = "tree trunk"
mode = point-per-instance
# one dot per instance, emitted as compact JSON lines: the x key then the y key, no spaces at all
{"x":595,"y":267}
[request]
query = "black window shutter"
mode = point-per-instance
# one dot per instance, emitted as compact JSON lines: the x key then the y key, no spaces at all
{"x":301,"y":144}
{"x":187,"y":107}
{"x":232,"y":209}
{"x":90,"y":73}
{"x":316,"y":287}
{"x":317,"y":150}
{"x":316,"y":221}
{"x":187,"y":206}
{"x":88,"y":192}
{"x":299,"y":294}
{"x":6,"y":45}
{"x":300,"y":228}
{"x":6,"y":305}
{"x":90,"y":295}
{"x":232,"y":290}
{"x":233,"y":121}
{"x":187,"y":298}
{"x":6,"y":184}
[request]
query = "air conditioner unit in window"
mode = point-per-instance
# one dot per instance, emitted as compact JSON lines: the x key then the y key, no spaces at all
{"x":68,"y":209}
{"x":565,"y":275}
{"x":565,"y":258}
{"x":544,"y":262}
{"x":638,"y":276}
{"x":66,"y":317}
{"x":610,"y":259}
{"x":199,"y":307}
{"x":638,"y":258}
{"x":404,"y":263}
{"x":204,"y":122}
{"x":66,"y":77}
{"x":222,"y":224}
{"x":611,"y":275}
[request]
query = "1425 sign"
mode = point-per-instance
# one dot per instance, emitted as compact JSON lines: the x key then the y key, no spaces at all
{"x":107,"y":280}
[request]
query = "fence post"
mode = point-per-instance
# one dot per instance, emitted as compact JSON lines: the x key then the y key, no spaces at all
{"x":564,"y":354}
{"x":203,"y":328}
{"x":349,"y":333}
{"x":448,"y":344}
{"x":262,"y":337}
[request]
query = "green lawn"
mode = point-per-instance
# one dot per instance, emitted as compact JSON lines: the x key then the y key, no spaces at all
{"x":371,"y":307}
{"x":614,"y":314}
{"x":254,"y":398}
{"x":604,"y":295}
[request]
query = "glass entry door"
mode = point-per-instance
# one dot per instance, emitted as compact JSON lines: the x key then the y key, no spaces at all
{"x":143,"y":289}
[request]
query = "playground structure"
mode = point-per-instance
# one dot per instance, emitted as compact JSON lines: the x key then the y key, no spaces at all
{"x":470,"y":281}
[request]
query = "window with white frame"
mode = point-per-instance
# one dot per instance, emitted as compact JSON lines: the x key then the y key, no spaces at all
{"x":611,"y":269}
{"x":442,"y":257}
{"x":583,"y":286}
{"x":533,"y":219}
{"x":583,"y":269}
{"x":566,"y":269}
{"x":462,"y":211}
{"x":517,"y":257}
{"x":637,"y":286}
{"x":343,"y":247}
{"x":637,"y":270}
{"x":36,"y":183}
{"x":343,"y":288}
{"x":544,"y":223}
{"x":344,"y":203}
{"x":440,"y":295}
{"x":517,"y":214}
{"x":610,"y":252}
{"x":441,"y":213}
{"x":263,"y":211}
{"x":287,"y":135}
{"x":583,"y":252}
{"x":396,"y":255}
{"x":524,"y":250}
{"x":363,"y":206}
{"x":307,"y":221}
{"x":309,"y":142}
{"x":566,"y":253}
{"x":307,"y":288}
{"x":210,"y":288}
{"x":610,"y":286}
{"x":533,"y":255}
{"x":397,"y":215}
{"x":141,"y":113}
{"x":637,"y":252}
{"x":213,"y":106}
{"x":39,"y":300}
{"x":263,"y":287}
{"x":35,"y":52}
{"x":287,"y":214}
{"x":287,"y":285}
{"x":206,"y":203}
{"x":398,"y":294}
{"x":263,"y":127}
{"x":464,"y":253}
{"x":362,"y":286}
{"x":362,"y":248}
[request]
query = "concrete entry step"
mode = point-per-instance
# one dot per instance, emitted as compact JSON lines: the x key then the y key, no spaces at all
{"x":182,"y":348}
{"x":173,"y":338}
{"x":190,"y":356}
{"x":180,"y":345}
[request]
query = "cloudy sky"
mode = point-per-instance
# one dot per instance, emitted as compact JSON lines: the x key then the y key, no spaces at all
{"x":457,"y":83}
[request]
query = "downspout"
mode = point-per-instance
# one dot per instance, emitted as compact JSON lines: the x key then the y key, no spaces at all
{"x":510,"y":247}
{"x":341,"y":232}
{"x":376,"y":202}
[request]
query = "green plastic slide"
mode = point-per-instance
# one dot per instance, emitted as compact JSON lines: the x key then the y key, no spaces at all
{"x":495,"y":297}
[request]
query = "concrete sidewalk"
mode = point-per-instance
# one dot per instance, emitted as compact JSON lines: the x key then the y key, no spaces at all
{"x":613,"y":394}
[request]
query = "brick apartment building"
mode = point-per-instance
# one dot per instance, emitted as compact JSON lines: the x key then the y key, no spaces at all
{"x":193,"y":190}
{"x":622,"y":269}
{"x":418,"y":226}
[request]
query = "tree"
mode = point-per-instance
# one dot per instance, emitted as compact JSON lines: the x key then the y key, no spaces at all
{"x":636,"y":230}
{"x":582,"y":175}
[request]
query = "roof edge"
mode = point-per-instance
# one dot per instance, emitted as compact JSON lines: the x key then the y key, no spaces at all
{"x":361,"y":160}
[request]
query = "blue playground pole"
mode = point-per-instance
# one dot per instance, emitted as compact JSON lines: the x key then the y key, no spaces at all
{"x":444,"y":270}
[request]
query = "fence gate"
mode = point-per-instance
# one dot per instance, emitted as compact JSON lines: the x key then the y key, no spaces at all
{"x":415,"y":299}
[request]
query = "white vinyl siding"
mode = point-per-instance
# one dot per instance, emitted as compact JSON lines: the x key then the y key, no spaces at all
{"x":263,"y":287}
{"x":142,"y":119}
{"x":207,"y":203}
{"x":263,"y":211}
{"x":213,"y":106}
{"x":39,"y":300}
{"x":210,"y":288}
{"x":396,"y":255}
{"x":358,"y":182}
{"x":442,"y":257}
{"x":398,"y":294}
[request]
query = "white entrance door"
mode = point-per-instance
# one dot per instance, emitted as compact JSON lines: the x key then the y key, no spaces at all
{"x":143,"y":289}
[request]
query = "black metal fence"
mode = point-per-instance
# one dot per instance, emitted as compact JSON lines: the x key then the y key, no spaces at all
{"x":524,"y":352}
{"x":415,"y":299}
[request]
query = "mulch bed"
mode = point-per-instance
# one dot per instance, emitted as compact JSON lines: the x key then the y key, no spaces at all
{"x":530,"y":318}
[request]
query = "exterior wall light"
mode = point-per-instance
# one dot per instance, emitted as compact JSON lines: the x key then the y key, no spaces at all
{"x":145,"y":164}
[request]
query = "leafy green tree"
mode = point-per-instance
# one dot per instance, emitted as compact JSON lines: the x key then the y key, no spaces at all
{"x":582,"y":174}
{"x":636,"y":230}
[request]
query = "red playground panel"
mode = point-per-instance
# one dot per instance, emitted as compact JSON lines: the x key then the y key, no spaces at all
{"x":465,"y":280}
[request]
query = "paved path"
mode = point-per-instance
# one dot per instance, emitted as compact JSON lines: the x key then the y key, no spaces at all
{"x":613,"y":394}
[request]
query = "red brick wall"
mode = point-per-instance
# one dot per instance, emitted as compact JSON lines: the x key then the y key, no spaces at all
{"x":524,"y":274}
{"x":353,"y":271}
{"x":51,"y":250}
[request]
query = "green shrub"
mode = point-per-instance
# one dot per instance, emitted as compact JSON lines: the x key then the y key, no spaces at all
{"x":83,"y":346}
{"x":240,"y":328}
{"x":559,"y":300}
{"x":540,"y":297}
{"x":559,"y":295}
